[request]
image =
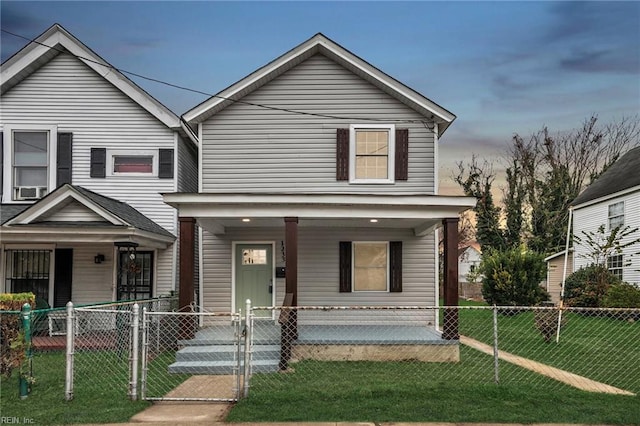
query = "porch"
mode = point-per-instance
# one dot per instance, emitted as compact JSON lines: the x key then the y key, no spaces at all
{"x":215,"y":349}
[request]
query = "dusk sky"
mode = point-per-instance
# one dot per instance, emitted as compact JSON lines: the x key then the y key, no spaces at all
{"x":501,"y":67}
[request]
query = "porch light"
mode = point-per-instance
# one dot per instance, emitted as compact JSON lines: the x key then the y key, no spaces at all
{"x":99,"y":258}
{"x":246,"y":219}
{"x":373,"y":220}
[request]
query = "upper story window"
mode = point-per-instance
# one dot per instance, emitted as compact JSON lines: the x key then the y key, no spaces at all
{"x":132,"y":162}
{"x":616,"y":215}
{"x":30,"y":163}
{"x":372,"y":150}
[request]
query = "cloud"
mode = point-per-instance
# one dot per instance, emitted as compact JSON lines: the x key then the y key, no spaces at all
{"x":595,"y":37}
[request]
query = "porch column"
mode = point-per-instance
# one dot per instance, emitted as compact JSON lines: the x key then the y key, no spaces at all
{"x":289,"y":317}
{"x":187,"y":262}
{"x":450,"y":326}
{"x":291,"y":255}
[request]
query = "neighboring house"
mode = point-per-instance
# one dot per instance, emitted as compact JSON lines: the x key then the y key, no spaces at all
{"x":327,"y":197}
{"x":555,"y":277}
{"x":85,"y":156}
{"x":470,"y":282}
{"x":612,"y":200}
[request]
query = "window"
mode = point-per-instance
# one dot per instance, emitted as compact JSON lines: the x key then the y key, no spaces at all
{"x":254,"y":257}
{"x":615,"y":263}
{"x":616,"y":215}
{"x":30,"y":163}
{"x":132,"y":163}
{"x":28,"y":271}
{"x":372,"y":149}
{"x":370,"y":266}
{"x":135,"y":281}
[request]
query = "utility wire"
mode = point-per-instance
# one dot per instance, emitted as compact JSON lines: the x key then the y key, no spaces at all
{"x":176,"y":86}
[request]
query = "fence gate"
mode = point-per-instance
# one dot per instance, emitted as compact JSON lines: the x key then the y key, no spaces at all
{"x":191,"y":356}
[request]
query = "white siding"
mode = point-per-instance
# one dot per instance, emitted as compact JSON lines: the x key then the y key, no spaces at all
{"x":164,"y":272}
{"x":68,"y":94}
{"x":72,"y":212}
{"x":589,"y":218}
{"x":246,"y":148}
{"x":92,"y":283}
{"x":318,"y":283}
{"x":187,"y":167}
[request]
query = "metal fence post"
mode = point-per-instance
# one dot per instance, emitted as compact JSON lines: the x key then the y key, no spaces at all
{"x":133,"y":366}
{"x":144,"y":354}
{"x":68,"y":388}
{"x":495,"y":345}
{"x":247,"y":347}
{"x":25,"y":377}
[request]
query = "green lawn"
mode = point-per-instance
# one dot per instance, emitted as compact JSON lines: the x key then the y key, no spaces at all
{"x":400,"y":392}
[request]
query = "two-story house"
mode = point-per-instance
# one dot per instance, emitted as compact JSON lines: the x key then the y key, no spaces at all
{"x":612,"y":200}
{"x":85,"y":155}
{"x":318,"y":186}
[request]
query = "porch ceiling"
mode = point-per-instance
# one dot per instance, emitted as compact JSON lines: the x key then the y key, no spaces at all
{"x":217,"y":212}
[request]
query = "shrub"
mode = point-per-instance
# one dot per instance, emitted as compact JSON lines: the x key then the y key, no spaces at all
{"x":622,"y":295}
{"x":512,"y":277}
{"x":587,"y":287}
{"x":12,"y":347}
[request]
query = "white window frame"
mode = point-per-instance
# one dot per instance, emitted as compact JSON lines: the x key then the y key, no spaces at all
{"x":609,"y":217}
{"x":391,"y":128}
{"x":111,"y":153}
{"x":616,"y":268}
{"x":353,"y":267}
{"x":8,"y":181}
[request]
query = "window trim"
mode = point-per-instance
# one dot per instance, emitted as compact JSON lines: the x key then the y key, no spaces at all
{"x":620,"y":268}
{"x":609,"y":217}
{"x":353,"y":267}
{"x":391,"y":154}
{"x":8,"y":181}
{"x":111,"y":153}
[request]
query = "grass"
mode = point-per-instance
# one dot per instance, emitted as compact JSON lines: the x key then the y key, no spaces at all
{"x":396,"y":392}
{"x":95,"y":401}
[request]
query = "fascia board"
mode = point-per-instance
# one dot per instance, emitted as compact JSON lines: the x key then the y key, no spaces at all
{"x":55,"y":36}
{"x":309,"y":47}
{"x":40,"y":208}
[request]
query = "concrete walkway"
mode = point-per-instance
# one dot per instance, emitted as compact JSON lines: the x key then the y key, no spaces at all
{"x":563,"y":376}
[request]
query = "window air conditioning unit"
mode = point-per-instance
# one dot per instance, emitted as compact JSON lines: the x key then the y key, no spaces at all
{"x":30,"y":192}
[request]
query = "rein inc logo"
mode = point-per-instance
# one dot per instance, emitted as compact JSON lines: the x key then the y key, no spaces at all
{"x":6,"y":420}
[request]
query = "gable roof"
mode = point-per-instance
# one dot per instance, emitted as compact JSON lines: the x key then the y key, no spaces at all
{"x":621,"y":176}
{"x":56,"y":40}
{"x":112,"y":212}
{"x":320,"y":44}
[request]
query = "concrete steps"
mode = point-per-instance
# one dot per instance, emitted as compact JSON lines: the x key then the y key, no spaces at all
{"x":199,"y":358}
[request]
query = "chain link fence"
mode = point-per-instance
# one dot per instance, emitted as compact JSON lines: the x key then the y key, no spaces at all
{"x":156,"y":353}
{"x":593,"y":349}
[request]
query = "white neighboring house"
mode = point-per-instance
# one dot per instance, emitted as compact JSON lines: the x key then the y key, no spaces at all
{"x":86,"y":154}
{"x":612,"y":200}
{"x":555,"y":276}
{"x":469,"y":258}
{"x":328,"y":197}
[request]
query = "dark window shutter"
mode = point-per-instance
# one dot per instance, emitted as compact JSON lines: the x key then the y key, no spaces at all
{"x":1,"y":162}
{"x":63,"y":162}
{"x":165,"y":164}
{"x":402,"y":154}
{"x":395,"y":266}
{"x":98,"y":162}
{"x":342,"y":154}
{"x":345,"y":266}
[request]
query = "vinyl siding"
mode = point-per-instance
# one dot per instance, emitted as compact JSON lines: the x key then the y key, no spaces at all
{"x":92,"y":283}
{"x":66,"y":93}
{"x":72,"y":212}
{"x":318,"y":269}
{"x":187,"y":167}
{"x":246,"y":148}
{"x":589,"y":218}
